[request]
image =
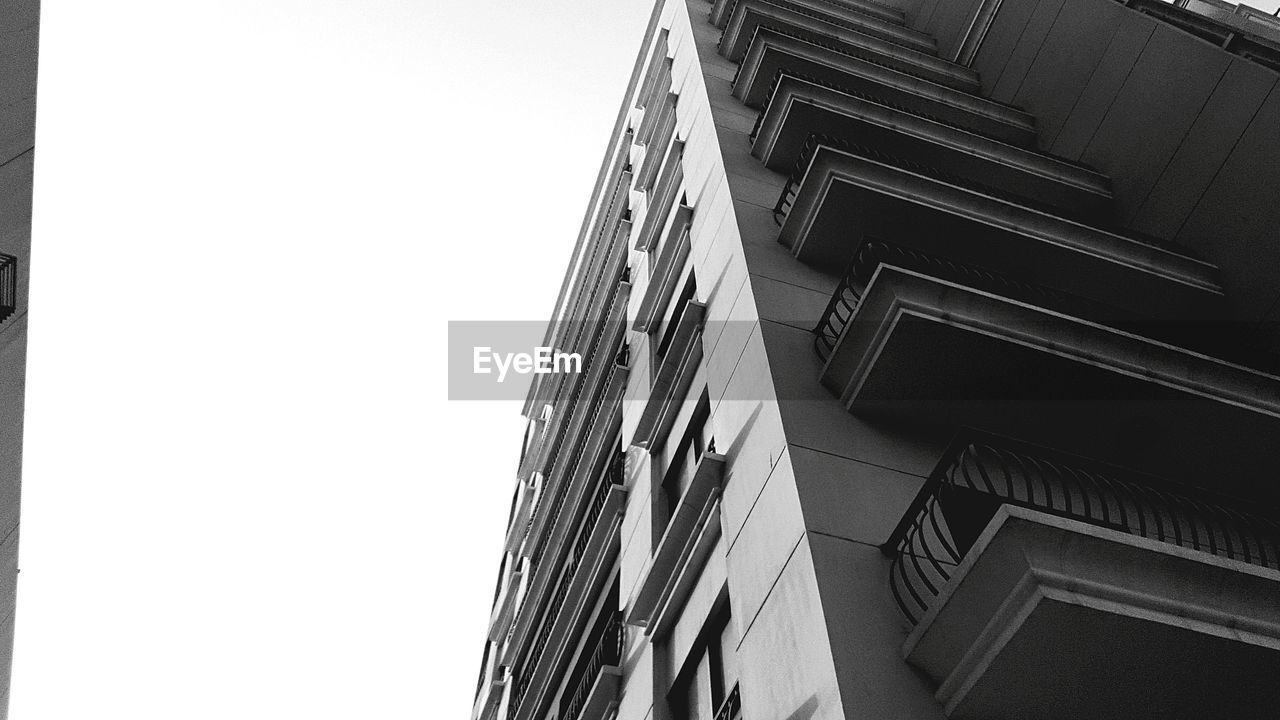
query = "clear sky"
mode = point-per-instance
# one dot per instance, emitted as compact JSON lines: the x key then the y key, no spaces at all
{"x":245,"y":494}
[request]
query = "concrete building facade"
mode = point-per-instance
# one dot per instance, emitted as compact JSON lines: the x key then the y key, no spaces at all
{"x":931,"y":371}
{"x":19,"y":32}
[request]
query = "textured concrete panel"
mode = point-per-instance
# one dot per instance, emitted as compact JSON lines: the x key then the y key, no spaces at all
{"x":1027,"y":49}
{"x":1131,"y":36}
{"x":851,"y":499}
{"x":858,"y":607}
{"x":816,"y":420}
{"x":789,"y":626}
{"x":788,"y":304}
{"x":947,"y":20}
{"x":1155,"y":108}
{"x":1234,"y":224}
{"x":13,"y":356}
{"x":19,"y":32}
{"x":1217,"y":129}
{"x":1001,"y":39}
{"x":1062,"y":67}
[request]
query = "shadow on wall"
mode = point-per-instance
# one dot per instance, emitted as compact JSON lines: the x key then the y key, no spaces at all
{"x":806,"y":709}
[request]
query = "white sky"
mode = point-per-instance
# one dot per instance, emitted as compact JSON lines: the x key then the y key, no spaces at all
{"x":245,"y":495}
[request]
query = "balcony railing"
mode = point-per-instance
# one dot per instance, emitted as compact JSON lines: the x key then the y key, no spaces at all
{"x":613,"y":477}
{"x":980,"y":473}
{"x":731,"y":708}
{"x":608,"y":652}
{"x":8,"y":285}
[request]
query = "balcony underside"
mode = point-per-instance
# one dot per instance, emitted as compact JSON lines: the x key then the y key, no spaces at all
{"x":845,"y":198}
{"x":824,"y":22}
{"x":1056,"y":619}
{"x":771,"y":51}
{"x":799,"y":108}
{"x":923,"y":350}
{"x":759,"y":16}
{"x":604,"y":694}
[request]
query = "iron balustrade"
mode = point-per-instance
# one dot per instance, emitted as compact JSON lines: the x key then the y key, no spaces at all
{"x":8,"y":285}
{"x":979,"y":473}
{"x":608,"y":652}
{"x":611,"y":478}
{"x":562,"y":487}
{"x":731,"y":708}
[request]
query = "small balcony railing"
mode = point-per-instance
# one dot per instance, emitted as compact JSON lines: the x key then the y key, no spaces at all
{"x":979,"y":473}
{"x":8,"y":285}
{"x":612,"y":478}
{"x":608,"y":653}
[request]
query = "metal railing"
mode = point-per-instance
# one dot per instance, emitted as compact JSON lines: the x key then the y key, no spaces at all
{"x":731,"y":708}
{"x":979,"y":473}
{"x":612,"y":477}
{"x":8,"y":285}
{"x":607,"y":652}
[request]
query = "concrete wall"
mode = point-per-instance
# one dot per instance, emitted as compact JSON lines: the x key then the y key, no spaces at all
{"x":1189,"y":133}
{"x":812,"y":490}
{"x":19,"y":26}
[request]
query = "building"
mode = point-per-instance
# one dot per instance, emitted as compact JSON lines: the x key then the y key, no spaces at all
{"x":931,"y":372}
{"x":19,"y":30}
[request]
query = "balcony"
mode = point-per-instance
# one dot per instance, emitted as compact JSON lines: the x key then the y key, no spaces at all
{"x":925,"y":350}
{"x":508,"y":598}
{"x":675,"y":374}
{"x":526,"y":501}
{"x":841,"y":193}
{"x":686,"y":543}
{"x":666,"y":270}
{"x":799,"y":107}
{"x":771,"y":51}
{"x":584,"y":574}
{"x":662,"y":196}
{"x":8,"y":285}
{"x":489,"y":691}
{"x":821,"y":21}
{"x":1035,"y":579}
{"x":596,"y":692}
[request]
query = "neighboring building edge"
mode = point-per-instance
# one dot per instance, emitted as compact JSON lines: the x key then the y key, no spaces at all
{"x":924,"y":388}
{"x":19,"y":28}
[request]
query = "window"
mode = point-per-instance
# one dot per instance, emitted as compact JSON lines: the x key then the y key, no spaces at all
{"x":709,"y":673}
{"x":684,"y":460}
